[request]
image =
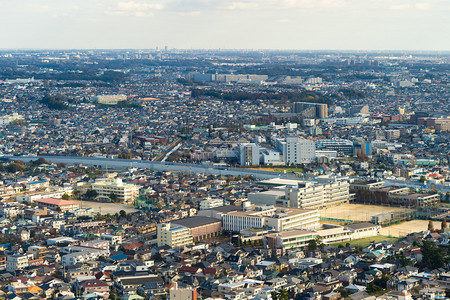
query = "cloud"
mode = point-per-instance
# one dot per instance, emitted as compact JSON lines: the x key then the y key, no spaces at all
{"x":243,"y":5}
{"x":132,"y":8}
{"x":190,"y":13}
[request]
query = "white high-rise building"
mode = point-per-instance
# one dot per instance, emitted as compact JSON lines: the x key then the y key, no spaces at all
{"x":297,"y":150}
{"x":248,"y":154}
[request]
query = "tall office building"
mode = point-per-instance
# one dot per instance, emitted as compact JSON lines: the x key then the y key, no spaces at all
{"x":297,"y":150}
{"x":248,"y":154}
{"x":311,"y":110}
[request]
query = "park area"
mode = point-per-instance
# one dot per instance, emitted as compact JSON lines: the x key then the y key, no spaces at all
{"x":356,"y":212}
{"x":106,"y":208}
{"x":405,"y":228}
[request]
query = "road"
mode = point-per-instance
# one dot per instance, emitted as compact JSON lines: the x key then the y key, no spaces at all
{"x":158,"y":166}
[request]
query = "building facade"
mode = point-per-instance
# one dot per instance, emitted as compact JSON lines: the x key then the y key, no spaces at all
{"x":276,"y":218}
{"x":124,"y":192}
{"x":173,"y":235}
{"x":297,"y":150}
{"x":248,"y":154}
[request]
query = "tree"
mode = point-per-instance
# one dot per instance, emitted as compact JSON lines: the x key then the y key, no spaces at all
{"x":122,"y":214}
{"x":280,"y":295}
{"x":65,"y":196}
{"x":314,"y":244}
{"x":444,"y":224}
{"x":373,"y":289}
{"x":433,"y":256}
{"x":91,"y":194}
{"x":430,"y":226}
{"x":113,"y":197}
{"x":41,"y":160}
{"x":76,"y":194}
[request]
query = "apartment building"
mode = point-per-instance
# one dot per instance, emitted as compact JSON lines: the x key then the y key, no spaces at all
{"x":297,"y":150}
{"x":210,"y":203}
{"x":311,"y":110}
{"x":173,"y":235}
{"x":177,"y":293}
{"x":16,"y":262}
{"x":248,"y":154}
{"x":76,"y":254}
{"x":113,"y":239}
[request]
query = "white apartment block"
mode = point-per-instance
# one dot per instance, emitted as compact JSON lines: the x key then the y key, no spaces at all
{"x":113,"y":239}
{"x":173,"y":235}
{"x":210,"y":203}
{"x":76,"y":254}
{"x":276,"y":218}
{"x":16,"y":262}
{"x":297,"y":150}
{"x":248,"y":154}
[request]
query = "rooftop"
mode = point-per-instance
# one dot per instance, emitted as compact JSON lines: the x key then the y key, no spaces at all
{"x":196,"y":221}
{"x":55,"y":201}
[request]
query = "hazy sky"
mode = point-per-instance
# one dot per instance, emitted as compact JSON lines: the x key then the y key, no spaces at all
{"x":250,"y":24}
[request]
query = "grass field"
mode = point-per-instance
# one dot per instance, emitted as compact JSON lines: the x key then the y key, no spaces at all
{"x":366,"y":241}
{"x":356,"y":212}
{"x":405,"y":228}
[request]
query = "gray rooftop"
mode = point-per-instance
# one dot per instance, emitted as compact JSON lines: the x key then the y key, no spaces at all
{"x":196,"y":221}
{"x":227,"y":208}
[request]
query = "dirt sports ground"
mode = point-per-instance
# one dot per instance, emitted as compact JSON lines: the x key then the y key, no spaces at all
{"x":356,"y":212}
{"x":406,"y":228}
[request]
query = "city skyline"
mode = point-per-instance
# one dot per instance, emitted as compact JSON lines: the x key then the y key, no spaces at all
{"x":202,"y":24}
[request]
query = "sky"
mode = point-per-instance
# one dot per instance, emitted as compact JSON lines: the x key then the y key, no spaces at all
{"x":226,"y":24}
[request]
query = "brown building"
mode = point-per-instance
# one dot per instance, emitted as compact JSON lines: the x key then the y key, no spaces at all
{"x":201,"y":227}
{"x":376,"y":194}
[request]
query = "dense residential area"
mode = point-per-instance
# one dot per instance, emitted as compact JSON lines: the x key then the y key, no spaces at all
{"x":189,"y":174}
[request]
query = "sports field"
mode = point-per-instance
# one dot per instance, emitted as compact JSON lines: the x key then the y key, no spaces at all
{"x":356,"y":212}
{"x":366,"y":241}
{"x":406,"y":228}
{"x":106,"y":208}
